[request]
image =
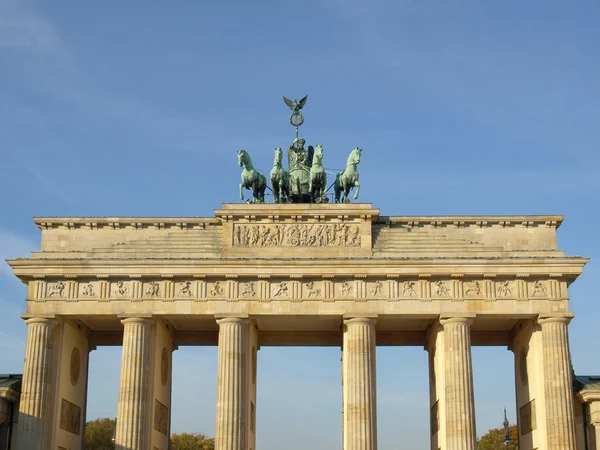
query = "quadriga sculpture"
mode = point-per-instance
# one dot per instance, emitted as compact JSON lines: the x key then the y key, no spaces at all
{"x":251,"y":179}
{"x":318,"y":178}
{"x":279,"y":179}
{"x":348,"y":179}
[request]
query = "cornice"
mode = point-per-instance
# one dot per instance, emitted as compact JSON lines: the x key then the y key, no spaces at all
{"x":589,"y":395}
{"x":230,"y":212}
{"x":134,"y":223}
{"x":551,"y":221}
{"x":561,"y":267}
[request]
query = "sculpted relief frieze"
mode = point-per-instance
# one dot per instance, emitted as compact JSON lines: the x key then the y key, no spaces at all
{"x":357,"y":288}
{"x":297,"y":235}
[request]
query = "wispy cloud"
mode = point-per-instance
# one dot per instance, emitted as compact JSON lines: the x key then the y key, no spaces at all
{"x":13,"y":246}
{"x":44,"y":180}
{"x":22,"y":28}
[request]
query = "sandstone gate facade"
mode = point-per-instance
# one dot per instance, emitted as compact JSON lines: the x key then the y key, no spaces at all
{"x":258,"y":275}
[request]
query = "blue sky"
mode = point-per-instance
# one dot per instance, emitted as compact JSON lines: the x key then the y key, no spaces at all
{"x":138,"y":108}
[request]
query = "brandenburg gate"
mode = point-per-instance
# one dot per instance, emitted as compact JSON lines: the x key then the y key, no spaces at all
{"x":300,"y":271}
{"x":295,"y":274}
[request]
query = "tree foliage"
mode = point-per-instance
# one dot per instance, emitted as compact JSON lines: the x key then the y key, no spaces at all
{"x":494,"y":439}
{"x":99,"y":434}
{"x":191,"y":441}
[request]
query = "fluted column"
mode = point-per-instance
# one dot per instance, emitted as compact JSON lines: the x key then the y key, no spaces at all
{"x":360,"y":394}
{"x":34,"y":413}
{"x":460,"y":403}
{"x":232,"y":385}
{"x":558,"y":383}
{"x":134,"y":404}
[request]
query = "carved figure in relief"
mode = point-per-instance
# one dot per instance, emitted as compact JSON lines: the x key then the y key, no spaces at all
{"x":408,"y":289}
{"x":248,"y":289}
{"x":57,"y":290}
{"x":280,"y":290}
{"x":318,"y":178}
{"x":377,"y":289}
{"x":539,"y":290}
{"x":504,"y":289}
{"x":441,"y":289}
{"x":311,"y":290}
{"x":347,"y":289}
{"x":265,"y":236}
{"x":251,"y":179}
{"x":255,"y":235}
{"x":153,"y":289}
{"x":121,"y":290}
{"x":354,"y":237}
{"x":237,"y":236}
{"x":279,"y":179}
{"x":473,"y":287}
{"x":277,"y":236}
{"x":185,"y":289}
{"x":217,"y":290}
{"x":88,"y":290}
{"x":348,"y":179}
{"x":338,"y":233}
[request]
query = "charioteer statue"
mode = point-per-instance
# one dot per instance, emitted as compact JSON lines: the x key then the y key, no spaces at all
{"x":306,"y":179}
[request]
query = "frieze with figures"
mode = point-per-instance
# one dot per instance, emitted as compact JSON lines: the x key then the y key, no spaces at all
{"x":355,"y":288}
{"x":297,"y":235}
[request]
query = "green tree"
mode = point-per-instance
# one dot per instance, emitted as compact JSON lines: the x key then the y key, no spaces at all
{"x":494,"y":439}
{"x":191,"y":441}
{"x":99,"y":434}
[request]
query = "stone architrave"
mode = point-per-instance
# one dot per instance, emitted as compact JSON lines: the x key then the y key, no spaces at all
{"x":232,"y":385}
{"x":558,"y":383}
{"x":460,"y":404}
{"x":33,"y":425}
{"x":359,"y":384}
{"x":134,"y":403}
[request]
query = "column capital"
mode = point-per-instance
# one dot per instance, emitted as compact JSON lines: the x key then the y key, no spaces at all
{"x":466,"y":320}
{"x":140,"y":320}
{"x":555,"y":318}
{"x":41,"y":320}
{"x":240,"y":320}
{"x":358,"y":320}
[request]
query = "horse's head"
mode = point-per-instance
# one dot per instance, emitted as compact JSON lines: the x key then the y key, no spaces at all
{"x":243,"y":158}
{"x":278,"y":156}
{"x":318,"y":154}
{"x":354,"y":157}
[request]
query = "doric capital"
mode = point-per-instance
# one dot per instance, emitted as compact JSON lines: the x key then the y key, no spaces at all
{"x":138,"y":320}
{"x":360,"y":320}
{"x":556,"y":318}
{"x":237,"y":320}
{"x":41,"y":320}
{"x":460,"y":320}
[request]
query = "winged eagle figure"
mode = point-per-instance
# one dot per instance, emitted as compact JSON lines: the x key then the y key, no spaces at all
{"x":295,"y":105}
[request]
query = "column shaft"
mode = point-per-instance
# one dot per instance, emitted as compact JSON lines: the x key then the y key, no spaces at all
{"x":558,"y":385}
{"x":33,"y":423}
{"x":134,"y":405}
{"x":460,"y":403}
{"x":232,"y":385}
{"x":360,"y":394}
